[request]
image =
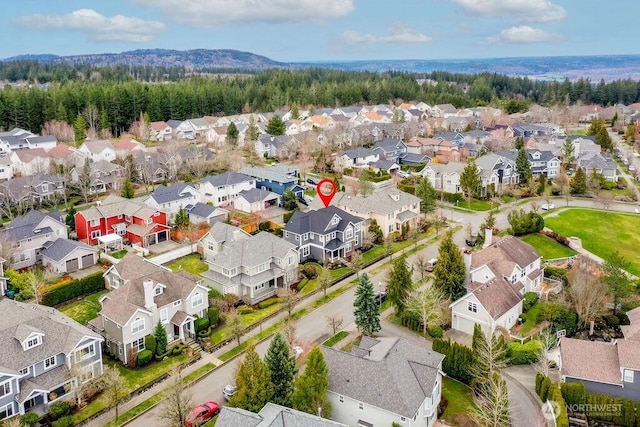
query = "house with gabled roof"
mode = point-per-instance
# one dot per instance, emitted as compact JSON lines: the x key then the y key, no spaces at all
{"x":104,"y":175}
{"x":329,"y":234}
{"x":384,"y":381}
{"x":30,"y":162}
{"x":276,"y":178}
{"x":42,"y":354}
{"x":20,"y":139}
{"x":160,"y":131}
{"x":31,"y":189}
{"x":170,"y":199}
{"x":390,"y":148}
{"x":255,"y":200}
{"x":221,"y":190}
{"x":201,"y":212}
{"x":219,"y":236}
{"x":142,"y":294}
{"x":499,"y":275}
{"x":271,"y":415}
{"x":66,"y":256}
{"x":253,"y":267}
{"x":274,"y":145}
{"x":443,"y":110}
{"x":542,"y":162}
{"x":444,"y":176}
{"x":355,"y":158}
{"x":504,"y":167}
{"x":200,"y":126}
{"x":605,"y":166}
{"x":99,"y":150}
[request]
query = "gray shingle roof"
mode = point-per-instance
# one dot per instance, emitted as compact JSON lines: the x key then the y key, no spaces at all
{"x":60,"y":248}
{"x":394,"y":374}
{"x":257,"y":194}
{"x":252,"y":251}
{"x":356,"y":153}
{"x":97,"y":147}
{"x":225,"y":233}
{"x":26,"y":226}
{"x":202,"y":210}
{"x":382,"y":201}
{"x":227,"y":178}
{"x":271,"y":415}
{"x":319,"y":221}
{"x":275,"y":173}
{"x":389,"y":144}
{"x":172,"y":193}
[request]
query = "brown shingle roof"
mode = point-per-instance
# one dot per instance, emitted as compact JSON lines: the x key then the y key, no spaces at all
{"x":629,"y":354}
{"x":497,"y":296}
{"x":509,"y":248}
{"x":590,"y":360}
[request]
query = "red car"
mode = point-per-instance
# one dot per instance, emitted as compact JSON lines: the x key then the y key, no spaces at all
{"x":201,"y":414}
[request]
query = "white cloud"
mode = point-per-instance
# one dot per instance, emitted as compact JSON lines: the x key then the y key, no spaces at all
{"x":518,"y":10}
{"x":397,"y":33}
{"x":97,"y":27}
{"x":212,"y":13}
{"x":522,"y":35}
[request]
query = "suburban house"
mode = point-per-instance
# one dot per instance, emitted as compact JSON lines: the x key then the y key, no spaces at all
{"x":170,"y":199}
{"x":160,"y":131}
{"x":542,"y":162}
{"x":275,"y":178}
{"x":43,"y":354}
{"x":384,"y":381}
{"x":254,"y":267}
{"x":28,"y":234}
{"x":604,"y":166}
{"x":99,"y":150}
{"x":255,"y":200}
{"x":217,"y":237}
{"x":33,"y":189}
{"x":390,"y":207}
{"x":20,"y":139}
{"x":29,"y":162}
{"x":329,"y":234}
{"x":129,"y":218}
{"x":611,"y":368}
{"x":390,"y":149}
{"x":504,"y":167}
{"x":6,"y":168}
{"x":498,"y":277}
{"x":143,"y":294}
{"x":273,"y":145}
{"x":66,"y":256}
{"x":444,"y":176}
{"x":221,"y":190}
{"x":201,"y":212}
{"x":355,"y":158}
{"x":271,"y":415}
{"x":104,"y":176}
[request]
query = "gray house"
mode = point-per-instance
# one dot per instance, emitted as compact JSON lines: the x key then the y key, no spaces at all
{"x":271,"y":415}
{"x":201,"y":212}
{"x":65,"y":256}
{"x":329,"y":234}
{"x":607,"y":368}
{"x":31,"y":189}
{"x":143,"y":294}
{"x":43,"y":355}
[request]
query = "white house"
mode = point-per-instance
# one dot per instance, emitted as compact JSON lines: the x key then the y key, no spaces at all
{"x":356,"y":158}
{"x":255,"y":200}
{"x":444,"y":176}
{"x":170,"y":199}
{"x":99,"y":150}
{"x":222,"y":189}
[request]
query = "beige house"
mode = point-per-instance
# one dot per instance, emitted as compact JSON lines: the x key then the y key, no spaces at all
{"x":444,"y":176}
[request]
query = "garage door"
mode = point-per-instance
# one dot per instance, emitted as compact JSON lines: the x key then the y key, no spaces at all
{"x":162,"y":236}
{"x":72,"y":265}
{"x":464,"y":325}
{"x":87,"y":260}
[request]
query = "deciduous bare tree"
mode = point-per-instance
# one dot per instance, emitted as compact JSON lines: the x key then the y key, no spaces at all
{"x":289,"y":331}
{"x":429,"y":304}
{"x":421,"y":264}
{"x":235,"y":323}
{"x":334,"y":322}
{"x":113,"y":385}
{"x":356,"y":262}
{"x":587,"y":294}
{"x":290,"y":298}
{"x":492,"y":403}
{"x":604,"y":199}
{"x":178,"y":401}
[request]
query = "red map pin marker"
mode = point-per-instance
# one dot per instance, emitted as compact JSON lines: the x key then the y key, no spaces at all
{"x":326,"y":189}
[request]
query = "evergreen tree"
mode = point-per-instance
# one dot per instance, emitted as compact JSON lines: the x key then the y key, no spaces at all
{"x":450,"y":271}
{"x":253,"y":132}
{"x":427,"y":194}
{"x":399,"y":284}
{"x":295,"y":112}
{"x":519,"y":143}
{"x":365,"y":307}
{"x":523,"y":166}
{"x":282,"y":366}
{"x":160,"y":334}
{"x":128,"y":192}
{"x":182,"y":218}
{"x":312,"y":385}
{"x":253,"y":383}
{"x":470,"y":181}
{"x":490,"y":354}
{"x":104,"y":121}
{"x":604,"y":140}
{"x":70,"y":219}
{"x":542,"y":183}
{"x":578,"y":182}
{"x":567,"y":154}
{"x":616,"y":278}
{"x":80,"y":129}
{"x":232,"y":134}
{"x":375,"y":231}
{"x":275,"y":126}
{"x":289,"y":200}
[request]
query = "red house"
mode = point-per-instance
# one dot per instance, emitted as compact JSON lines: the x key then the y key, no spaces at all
{"x":131,"y":219}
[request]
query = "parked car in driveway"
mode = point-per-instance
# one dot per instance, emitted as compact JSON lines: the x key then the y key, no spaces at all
{"x":431,"y":264}
{"x":201,"y":414}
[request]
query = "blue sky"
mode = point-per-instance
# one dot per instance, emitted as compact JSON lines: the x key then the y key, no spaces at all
{"x":321,"y":30}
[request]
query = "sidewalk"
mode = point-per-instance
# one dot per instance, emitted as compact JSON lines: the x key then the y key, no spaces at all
{"x":282,"y":315}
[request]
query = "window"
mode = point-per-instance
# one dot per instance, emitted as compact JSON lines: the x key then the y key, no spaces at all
{"x":290,"y":259}
{"x":360,"y":405}
{"x":403,"y":420}
{"x":24,"y":371}
{"x":472,"y":306}
{"x":305,"y":251}
{"x":138,"y":344}
{"x":177,"y":303}
{"x":196,"y":299}
{"x":286,"y":234}
{"x":45,"y":187}
{"x":349,"y":233}
{"x":6,"y":411}
{"x":127,"y":218}
{"x":95,"y":234}
{"x":50,"y":362}
{"x":120,"y":216}
{"x":85,"y":352}
{"x":305,"y":236}
{"x":333,"y":235}
{"x":164,"y":316}
{"x":5,"y":388}
{"x":94,"y":223}
{"x":628,"y":376}
{"x":32,"y":342}
{"x":211,"y":246}
{"x":137,"y":325}
{"x":341,"y":399}
{"x":157,"y":290}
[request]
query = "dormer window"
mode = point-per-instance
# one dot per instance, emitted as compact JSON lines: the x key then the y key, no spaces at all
{"x":32,"y":341}
{"x":158,"y":290}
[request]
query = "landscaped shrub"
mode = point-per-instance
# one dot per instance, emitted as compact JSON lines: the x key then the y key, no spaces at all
{"x":611,"y":321}
{"x":539,"y":378}
{"x":624,"y":319}
{"x":560,"y":317}
{"x":562,"y":418}
{"x":302,"y":284}
{"x":66,"y":421}
{"x":201,"y":324}
{"x":268,"y":302}
{"x":59,"y":410}
{"x":86,"y":285}
{"x":436,"y":331}
{"x":245,"y":310}
{"x":522,"y":222}
{"x":177,"y":349}
{"x":214,"y":293}
{"x":451,"y":197}
{"x":150,"y":343}
{"x":524,"y":354}
{"x":458,"y":361}
{"x":287,"y":216}
{"x":144,"y":357}
{"x":264,"y":226}
{"x":530,"y":298}
{"x":608,"y":185}
{"x":545,"y":388}
{"x":309,"y":271}
{"x":574,"y":393}
{"x":213,"y":314}
{"x":29,"y":419}
{"x":556,"y":273}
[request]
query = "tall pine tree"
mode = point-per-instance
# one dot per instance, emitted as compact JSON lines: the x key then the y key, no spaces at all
{"x":365,"y":307}
{"x":578,"y":182}
{"x":399,"y":284}
{"x":160,"y":334}
{"x":450,"y":272}
{"x":312,"y":385}
{"x":427,"y":194}
{"x":80,"y":129}
{"x":253,"y":383}
{"x":282,"y":367}
{"x":523,"y":166}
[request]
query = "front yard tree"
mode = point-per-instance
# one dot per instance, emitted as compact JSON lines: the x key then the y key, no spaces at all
{"x":492,"y":404}
{"x":450,"y":271}
{"x":182,"y":218}
{"x":312,"y":386}
{"x":523,"y":166}
{"x":128,"y":192}
{"x":399,"y":283}
{"x":70,"y":219}
{"x":470,"y":181}
{"x":375,"y":231}
{"x":490,"y":355}
{"x":114,"y":386}
{"x":567,"y":154}
{"x":289,"y":200}
{"x":160,"y":333}
{"x":80,"y":129}
{"x":586,"y":293}
{"x":324,"y":280}
{"x":364,"y":184}
{"x":275,"y":126}
{"x":578,"y":183}
{"x":84,"y":181}
{"x":232,"y":134}
{"x":429,"y":305}
{"x":356,"y":262}
{"x":282,"y":367}
{"x":365,"y":307}
{"x":427,"y":194}
{"x":253,"y":383}
{"x":289,"y":297}
{"x":616,"y":278}
{"x":178,"y":401}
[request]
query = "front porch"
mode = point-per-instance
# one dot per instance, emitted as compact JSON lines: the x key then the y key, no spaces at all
{"x":335,"y":251}
{"x":261,"y":288}
{"x":182,"y":325}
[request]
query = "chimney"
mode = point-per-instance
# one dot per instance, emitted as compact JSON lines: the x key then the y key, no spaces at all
{"x":488,"y":237}
{"x":235,"y":235}
{"x":149,"y":304}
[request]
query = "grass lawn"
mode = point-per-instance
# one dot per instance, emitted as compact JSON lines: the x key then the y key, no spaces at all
{"x":120,"y":254}
{"x":335,"y":339}
{"x":460,"y":398}
{"x":476,"y":205}
{"x":84,"y":310}
{"x":310,"y":192}
{"x":530,"y":319}
{"x":548,"y":247}
{"x":601,"y":233}
{"x":247,"y":320}
{"x":191,"y":263}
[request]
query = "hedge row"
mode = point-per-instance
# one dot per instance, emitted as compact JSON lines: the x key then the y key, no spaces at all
{"x":600,"y":407}
{"x":524,"y":354}
{"x":458,"y":361}
{"x":86,"y":285}
{"x":549,"y":391}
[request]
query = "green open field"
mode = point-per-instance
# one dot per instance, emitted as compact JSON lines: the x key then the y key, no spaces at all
{"x":548,"y":247}
{"x":601,"y":233}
